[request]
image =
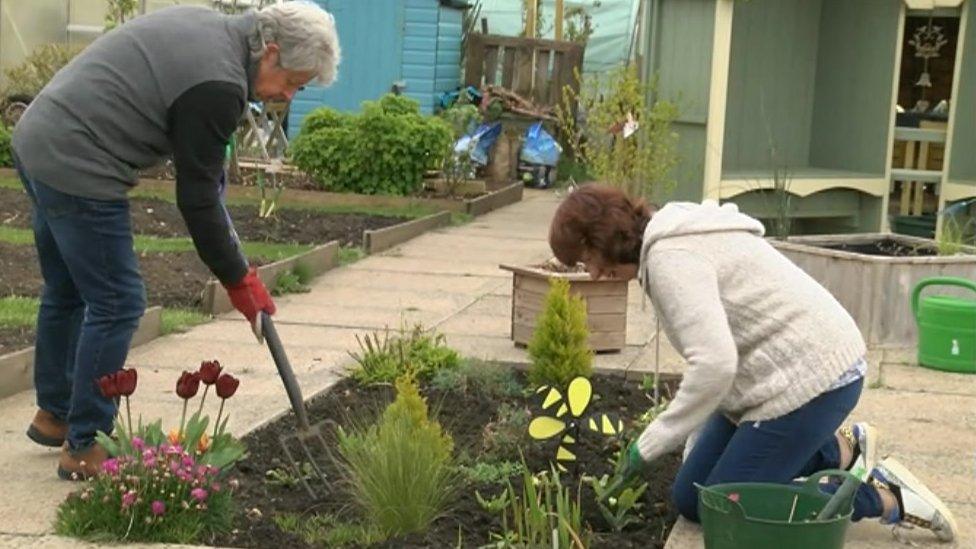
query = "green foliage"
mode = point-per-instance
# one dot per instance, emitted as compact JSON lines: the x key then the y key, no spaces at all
{"x":350,"y":254}
{"x":117,"y":505}
{"x":508,"y":432}
{"x":490,"y":472}
{"x":384,"y":150}
{"x":289,"y":477}
{"x":30,"y":77}
{"x":542,"y":514}
{"x":118,"y":12}
{"x":399,"y":472}
{"x":327,"y":530}
{"x":293,"y":281}
{"x":458,"y":167}
{"x":559,"y":349}
{"x":413,"y":350}
{"x":325,"y":118}
{"x":955,"y":236}
{"x":474,"y":376}
{"x":178,"y":320}
{"x":620,"y":511}
{"x":16,"y":311}
{"x":639,"y":164}
{"x":6,"y":153}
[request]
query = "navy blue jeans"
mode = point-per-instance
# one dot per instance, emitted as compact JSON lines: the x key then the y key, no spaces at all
{"x":779,"y":450}
{"x":91,"y":304}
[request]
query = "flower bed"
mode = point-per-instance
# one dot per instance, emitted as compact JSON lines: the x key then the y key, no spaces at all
{"x":488,"y":431}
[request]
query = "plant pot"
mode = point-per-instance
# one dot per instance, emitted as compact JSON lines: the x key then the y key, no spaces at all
{"x":606,"y":305}
{"x":876,"y":289}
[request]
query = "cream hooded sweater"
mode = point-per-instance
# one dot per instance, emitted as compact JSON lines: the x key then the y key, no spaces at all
{"x":761,"y":338}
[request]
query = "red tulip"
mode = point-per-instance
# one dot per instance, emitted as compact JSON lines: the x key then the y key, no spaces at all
{"x":125,"y":381}
{"x":209,"y":371}
{"x":227,"y":386}
{"x":108,"y":386}
{"x":188,"y":385}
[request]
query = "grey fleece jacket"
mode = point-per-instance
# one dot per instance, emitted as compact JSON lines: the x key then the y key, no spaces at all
{"x":760,"y":336}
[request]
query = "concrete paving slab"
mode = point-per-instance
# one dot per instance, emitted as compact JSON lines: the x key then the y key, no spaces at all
{"x":473,"y":324}
{"x":445,"y":298}
{"x":58,"y":542}
{"x":910,"y":377}
{"x":433,"y":266}
{"x":364,"y":317}
{"x":364,"y":278}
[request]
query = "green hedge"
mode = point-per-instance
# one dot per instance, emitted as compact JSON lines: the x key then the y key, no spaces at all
{"x":6,"y":157}
{"x":384,"y":150}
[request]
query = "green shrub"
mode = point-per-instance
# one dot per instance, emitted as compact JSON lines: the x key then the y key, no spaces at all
{"x":559,"y":349}
{"x":30,"y":77}
{"x":490,"y":472}
{"x":6,"y":153}
{"x":414,"y":350}
{"x":399,"y":472}
{"x":486,"y":378}
{"x":384,"y":150}
{"x":504,"y":436}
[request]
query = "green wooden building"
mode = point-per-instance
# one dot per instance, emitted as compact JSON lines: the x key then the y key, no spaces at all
{"x":812,"y":89}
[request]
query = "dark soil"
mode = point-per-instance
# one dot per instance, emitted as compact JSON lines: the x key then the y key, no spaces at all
{"x":465,"y":417}
{"x":171,"y":279}
{"x":15,"y":338}
{"x":886,"y":248}
{"x":162,"y":218}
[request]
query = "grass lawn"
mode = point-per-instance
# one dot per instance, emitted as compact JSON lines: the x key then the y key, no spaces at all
{"x":16,"y":311}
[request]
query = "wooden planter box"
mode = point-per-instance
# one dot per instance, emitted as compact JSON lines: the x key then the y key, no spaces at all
{"x":875,"y":290}
{"x":606,"y":305}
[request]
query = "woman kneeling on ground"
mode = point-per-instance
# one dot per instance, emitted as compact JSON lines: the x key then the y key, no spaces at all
{"x":775,"y":363}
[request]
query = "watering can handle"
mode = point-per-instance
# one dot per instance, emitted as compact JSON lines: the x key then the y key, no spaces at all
{"x":939,"y":281}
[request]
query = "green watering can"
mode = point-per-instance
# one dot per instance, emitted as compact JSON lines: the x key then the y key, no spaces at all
{"x":946,"y":327}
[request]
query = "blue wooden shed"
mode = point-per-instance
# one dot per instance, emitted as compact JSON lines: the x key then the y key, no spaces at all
{"x":411,"y":44}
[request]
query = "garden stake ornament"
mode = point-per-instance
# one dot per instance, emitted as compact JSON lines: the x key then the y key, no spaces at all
{"x":578,"y":396}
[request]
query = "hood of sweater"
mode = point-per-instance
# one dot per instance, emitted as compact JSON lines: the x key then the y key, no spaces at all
{"x":689,"y":218}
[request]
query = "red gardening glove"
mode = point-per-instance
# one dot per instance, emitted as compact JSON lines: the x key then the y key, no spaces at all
{"x":249,"y":296}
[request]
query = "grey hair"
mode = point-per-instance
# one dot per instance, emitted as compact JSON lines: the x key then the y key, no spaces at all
{"x":306,"y":37}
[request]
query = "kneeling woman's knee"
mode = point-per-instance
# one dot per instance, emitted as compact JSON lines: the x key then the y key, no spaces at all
{"x":685,"y":499}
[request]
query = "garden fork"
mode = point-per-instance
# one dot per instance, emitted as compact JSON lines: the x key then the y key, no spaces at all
{"x":306,"y":434}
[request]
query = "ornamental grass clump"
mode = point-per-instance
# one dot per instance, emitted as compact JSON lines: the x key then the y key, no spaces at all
{"x":399,"y":472}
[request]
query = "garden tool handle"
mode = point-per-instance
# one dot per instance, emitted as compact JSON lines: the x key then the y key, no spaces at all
{"x":939,"y":281}
{"x":284,"y":369}
{"x":843,"y":494}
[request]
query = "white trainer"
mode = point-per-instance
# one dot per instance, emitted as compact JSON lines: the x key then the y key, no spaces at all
{"x":863,"y":439}
{"x":917,"y":505}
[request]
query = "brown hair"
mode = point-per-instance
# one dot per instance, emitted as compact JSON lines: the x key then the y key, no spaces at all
{"x":600,"y":218}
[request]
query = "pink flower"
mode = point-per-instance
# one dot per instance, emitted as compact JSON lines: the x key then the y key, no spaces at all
{"x":138,"y":444}
{"x":199,"y":494}
{"x":187,"y":461}
{"x":111,"y":466}
{"x":173,"y":450}
{"x":128,"y":499}
{"x":158,"y":508}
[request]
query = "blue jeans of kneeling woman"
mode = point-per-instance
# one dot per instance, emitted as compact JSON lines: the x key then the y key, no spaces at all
{"x":90,"y":307}
{"x":779,"y":450}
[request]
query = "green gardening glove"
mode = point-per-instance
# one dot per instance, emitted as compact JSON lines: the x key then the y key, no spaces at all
{"x":633,"y":466}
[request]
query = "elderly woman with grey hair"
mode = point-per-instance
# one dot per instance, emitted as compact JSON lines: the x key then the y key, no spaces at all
{"x":175,"y":82}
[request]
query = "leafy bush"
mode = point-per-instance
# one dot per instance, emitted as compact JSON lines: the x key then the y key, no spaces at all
{"x":399,"y":472}
{"x":30,"y":77}
{"x":485,"y":378}
{"x":638,"y":163}
{"x":414,"y":350}
{"x":164,"y":495}
{"x":384,"y":150}
{"x":508,"y":432}
{"x":559,"y":349}
{"x":490,"y":472}
{"x":6,"y":153}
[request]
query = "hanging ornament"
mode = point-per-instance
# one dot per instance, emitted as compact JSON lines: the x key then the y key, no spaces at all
{"x":927,"y":41}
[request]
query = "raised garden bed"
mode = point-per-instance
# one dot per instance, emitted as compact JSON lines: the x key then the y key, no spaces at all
{"x":873,"y":275}
{"x":470,"y":417}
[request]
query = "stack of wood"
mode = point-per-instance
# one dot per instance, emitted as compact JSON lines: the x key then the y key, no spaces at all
{"x":514,"y":103}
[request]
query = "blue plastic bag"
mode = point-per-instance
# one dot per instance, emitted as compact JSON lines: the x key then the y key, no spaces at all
{"x":479,"y":142}
{"x":540,"y":148}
